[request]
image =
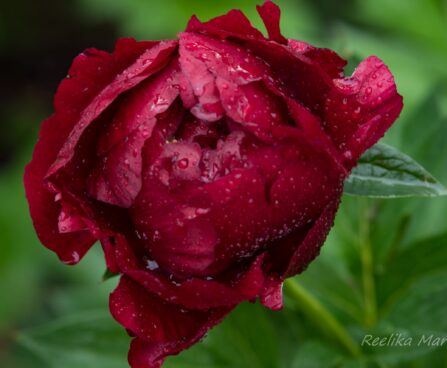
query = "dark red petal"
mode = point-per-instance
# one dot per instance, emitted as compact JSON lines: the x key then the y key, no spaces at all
{"x":271,"y":15}
{"x":360,"y":109}
{"x":253,"y":106}
{"x":232,"y":24}
{"x":90,"y":72}
{"x":108,"y":246}
{"x":116,"y":178}
{"x":327,"y":59}
{"x":150,"y":62}
{"x":147,"y":100}
{"x":311,"y":131}
{"x":45,"y":211}
{"x":193,"y":293}
{"x":307,"y":248}
{"x":296,"y":76}
{"x":161,"y":328}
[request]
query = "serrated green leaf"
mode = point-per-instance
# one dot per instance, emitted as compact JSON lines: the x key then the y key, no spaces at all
{"x":384,"y":172}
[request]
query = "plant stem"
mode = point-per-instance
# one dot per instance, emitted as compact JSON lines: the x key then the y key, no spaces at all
{"x":313,"y":309}
{"x":366,"y":255}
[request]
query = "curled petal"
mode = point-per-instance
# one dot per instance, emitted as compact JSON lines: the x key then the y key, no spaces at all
{"x":306,"y":246}
{"x":192,"y":293}
{"x":327,"y":59}
{"x":161,"y":328}
{"x":232,"y":24}
{"x":271,"y":14}
{"x":361,"y":108}
{"x":150,"y":62}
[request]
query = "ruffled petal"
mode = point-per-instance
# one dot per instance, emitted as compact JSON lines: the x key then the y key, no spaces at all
{"x":332,"y":63}
{"x":360,"y":109}
{"x":232,"y":24}
{"x":227,"y":79}
{"x":45,"y":210}
{"x":150,"y":62}
{"x":301,"y":79}
{"x":161,"y":328}
{"x":271,"y":295}
{"x":271,"y":15}
{"x":193,"y":293}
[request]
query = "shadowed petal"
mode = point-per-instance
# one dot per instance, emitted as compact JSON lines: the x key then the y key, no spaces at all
{"x":193,"y":293}
{"x":161,"y":328}
{"x":90,"y":72}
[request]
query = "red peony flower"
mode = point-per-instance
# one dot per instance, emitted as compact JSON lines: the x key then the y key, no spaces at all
{"x":210,"y":168}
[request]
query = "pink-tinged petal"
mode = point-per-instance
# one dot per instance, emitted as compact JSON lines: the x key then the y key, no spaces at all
{"x":161,"y":328}
{"x":150,"y":98}
{"x":271,"y":15}
{"x":221,"y":58}
{"x":253,"y":106}
{"x":305,"y":246}
{"x":271,"y":296}
{"x":71,"y":219}
{"x":210,"y":63}
{"x":116,"y":178}
{"x":327,"y":59}
{"x":192,"y":293}
{"x":361,"y":108}
{"x":149,"y":63}
{"x":201,"y":81}
{"x":232,"y":24}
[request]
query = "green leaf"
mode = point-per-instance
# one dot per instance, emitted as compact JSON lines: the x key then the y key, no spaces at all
{"x":419,"y":315}
{"x":384,"y":172}
{"x":108,"y":275}
{"x":246,"y":338}
{"x":89,"y":340}
{"x":411,"y":264}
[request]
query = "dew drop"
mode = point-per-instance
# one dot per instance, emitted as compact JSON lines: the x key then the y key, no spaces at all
{"x":348,"y":155}
{"x":183,"y":163}
{"x":151,"y":265}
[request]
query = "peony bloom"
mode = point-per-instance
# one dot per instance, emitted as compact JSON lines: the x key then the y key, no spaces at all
{"x":210,"y":168}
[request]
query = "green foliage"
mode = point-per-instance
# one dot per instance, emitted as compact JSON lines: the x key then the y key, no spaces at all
{"x":384,"y":172}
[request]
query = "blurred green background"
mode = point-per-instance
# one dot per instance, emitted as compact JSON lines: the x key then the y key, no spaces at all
{"x":383,"y":269}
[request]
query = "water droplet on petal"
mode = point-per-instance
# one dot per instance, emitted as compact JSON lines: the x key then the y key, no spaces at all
{"x":348,"y":155}
{"x":183,"y":163}
{"x":151,"y":265}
